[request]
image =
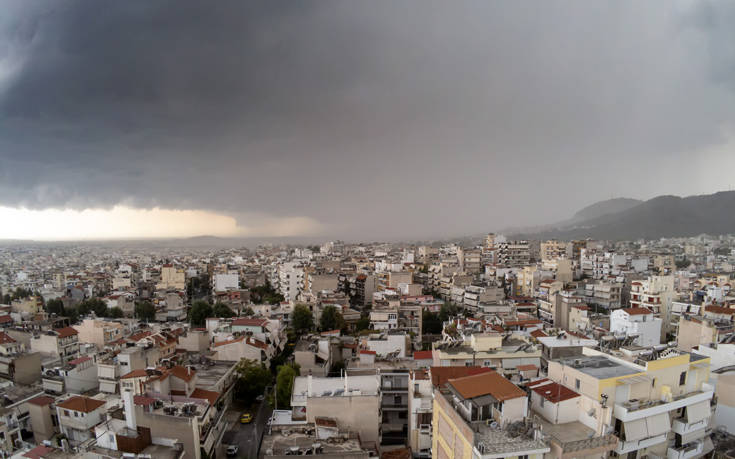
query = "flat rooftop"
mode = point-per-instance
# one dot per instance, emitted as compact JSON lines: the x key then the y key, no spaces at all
{"x":277,"y":444}
{"x":599,"y":366}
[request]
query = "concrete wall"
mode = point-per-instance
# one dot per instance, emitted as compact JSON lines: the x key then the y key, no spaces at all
{"x":185,"y":429}
{"x":358,"y":413}
{"x":40,"y":417}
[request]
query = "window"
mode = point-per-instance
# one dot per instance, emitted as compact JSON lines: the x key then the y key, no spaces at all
{"x":67,"y":413}
{"x":577,"y":384}
{"x":683,"y":378}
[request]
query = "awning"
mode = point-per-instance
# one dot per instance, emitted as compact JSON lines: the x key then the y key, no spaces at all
{"x":697,"y":412}
{"x":658,"y":424}
{"x":691,"y":436}
{"x":635,"y":430}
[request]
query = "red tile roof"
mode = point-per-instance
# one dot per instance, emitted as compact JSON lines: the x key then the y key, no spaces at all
{"x":5,"y":338}
{"x":246,"y":321}
{"x":66,"y":331}
{"x":79,"y":403}
{"x":440,"y":375}
{"x":538,"y":334}
{"x":208,"y":395}
{"x":527,"y":367}
{"x":229,"y":341}
{"x":365,"y":351}
{"x":143,"y":401}
{"x":5,"y":319}
{"x":719,"y":310}
{"x":422,"y":355}
{"x":183,"y":373}
{"x":38,"y":452}
{"x":86,"y":358}
{"x":135,"y":374}
{"x":490,"y":383}
{"x":637,"y":311}
{"x":554,"y":392}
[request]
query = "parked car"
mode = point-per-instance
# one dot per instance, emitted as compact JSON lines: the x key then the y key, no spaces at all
{"x":232,"y":450}
{"x":246,"y":418}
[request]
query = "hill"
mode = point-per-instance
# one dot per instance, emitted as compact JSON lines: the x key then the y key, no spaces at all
{"x":662,"y":216}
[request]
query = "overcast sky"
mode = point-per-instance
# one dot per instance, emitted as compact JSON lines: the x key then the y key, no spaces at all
{"x":362,"y":119}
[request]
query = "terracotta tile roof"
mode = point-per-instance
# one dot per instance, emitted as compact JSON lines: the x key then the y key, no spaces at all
{"x":135,"y":374}
{"x":422,"y":355}
{"x":490,"y":383}
{"x":65,"y":332}
{"x":5,"y":319}
{"x":86,"y":358}
{"x":5,"y":338}
{"x":208,"y":395}
{"x":538,"y":334}
{"x":512,"y":323}
{"x":38,"y":452}
{"x":79,"y":403}
{"x":554,"y":392}
{"x":41,"y":400}
{"x":183,"y":373}
{"x":527,"y":367}
{"x":719,"y":310}
{"x":637,"y":311}
{"x":365,"y":351}
{"x":139,"y":336}
{"x":537,"y":382}
{"x":440,"y":375}
{"x":257,"y":343}
{"x":326,"y":422}
{"x":250,"y":322}
{"x":143,"y":401}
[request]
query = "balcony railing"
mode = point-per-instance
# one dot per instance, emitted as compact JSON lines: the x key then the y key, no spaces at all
{"x":630,"y":411}
{"x":686,"y":451}
{"x":680,"y":426}
{"x":606,"y":441}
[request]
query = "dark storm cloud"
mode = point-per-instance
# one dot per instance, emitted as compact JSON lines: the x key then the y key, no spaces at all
{"x":373,"y":118}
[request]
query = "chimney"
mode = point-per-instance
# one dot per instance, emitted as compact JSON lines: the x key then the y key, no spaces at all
{"x":129,"y":410}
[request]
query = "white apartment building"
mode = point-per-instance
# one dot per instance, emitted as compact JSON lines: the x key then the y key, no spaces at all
{"x":224,"y":282}
{"x":638,"y":322}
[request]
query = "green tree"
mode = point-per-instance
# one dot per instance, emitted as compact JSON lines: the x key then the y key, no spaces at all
{"x":447,"y":311}
{"x":363,"y":324}
{"x":115,"y":313}
{"x":284,"y":384}
{"x":144,"y":310}
{"x":331,"y":319}
{"x":684,"y":263}
{"x":222,"y":310}
{"x":430,"y":323}
{"x":302,"y":319}
{"x":55,"y":306}
{"x":72,"y":313}
{"x":200,"y":310}
{"x":248,"y":311}
{"x":96,"y":305}
{"x":253,"y":377}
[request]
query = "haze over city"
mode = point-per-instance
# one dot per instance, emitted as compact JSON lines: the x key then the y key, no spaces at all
{"x":354,"y":120}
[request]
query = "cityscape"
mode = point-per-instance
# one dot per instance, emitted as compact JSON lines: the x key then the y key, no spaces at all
{"x":367,"y":229}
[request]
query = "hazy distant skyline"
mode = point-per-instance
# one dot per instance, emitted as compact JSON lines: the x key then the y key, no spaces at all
{"x":367,"y":120}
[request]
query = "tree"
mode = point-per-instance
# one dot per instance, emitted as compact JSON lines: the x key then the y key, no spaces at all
{"x":284,"y":384}
{"x":430,"y":323}
{"x":363,"y":323}
{"x":302,"y":319}
{"x":72,"y":313}
{"x":55,"y":306}
{"x":253,"y":377}
{"x":200,"y":310}
{"x":248,"y":311}
{"x":331,"y":319}
{"x":144,"y":310}
{"x":265,"y":294}
{"x":222,"y":310}
{"x":683,"y":263}
{"x":115,"y":313}
{"x":96,"y":305}
{"x":447,"y":310}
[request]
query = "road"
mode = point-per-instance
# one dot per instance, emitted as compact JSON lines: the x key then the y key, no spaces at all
{"x":246,"y":436}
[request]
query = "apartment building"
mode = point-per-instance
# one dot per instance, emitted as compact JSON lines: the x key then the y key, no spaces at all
{"x":657,"y":294}
{"x":481,"y":416}
{"x":420,"y":400}
{"x":77,"y":417}
{"x":63,"y":342}
{"x":655,"y":404}
{"x":637,"y":322}
{"x":172,"y":277}
{"x":99,"y":332}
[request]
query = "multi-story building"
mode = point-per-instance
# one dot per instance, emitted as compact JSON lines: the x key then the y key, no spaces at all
{"x":172,"y":277}
{"x":657,"y":294}
{"x":99,"y":332}
{"x":659,"y":406}
{"x":420,"y":400}
{"x":482,"y":416}
{"x":63,"y":342}
{"x":638,"y":322}
{"x":77,"y":417}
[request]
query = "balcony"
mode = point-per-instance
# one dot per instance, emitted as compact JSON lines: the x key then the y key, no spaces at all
{"x":686,"y":451}
{"x":625,"y":447}
{"x":681,"y":426}
{"x":394,"y":406}
{"x":631,"y":411}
